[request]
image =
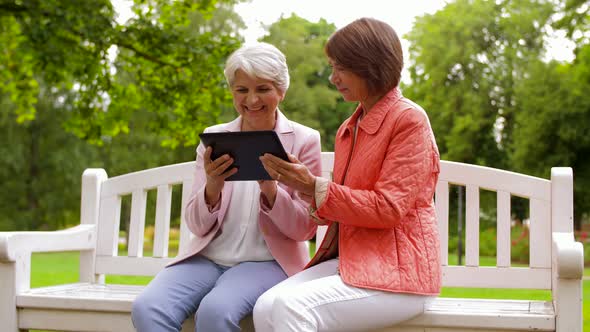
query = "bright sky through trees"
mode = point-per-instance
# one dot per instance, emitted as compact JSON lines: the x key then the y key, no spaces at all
{"x":399,"y":13}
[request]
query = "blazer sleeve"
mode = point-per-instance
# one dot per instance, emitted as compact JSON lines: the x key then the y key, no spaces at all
{"x":290,"y":213}
{"x":410,"y":167}
{"x":200,"y":218}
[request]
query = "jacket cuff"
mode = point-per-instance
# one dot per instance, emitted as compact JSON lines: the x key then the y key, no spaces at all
{"x":212,"y":208}
{"x":321,"y":191}
{"x":215,"y":208}
{"x":265,"y":207}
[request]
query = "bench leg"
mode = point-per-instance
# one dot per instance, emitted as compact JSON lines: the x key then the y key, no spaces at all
{"x":568,"y":301}
{"x":14,"y":278}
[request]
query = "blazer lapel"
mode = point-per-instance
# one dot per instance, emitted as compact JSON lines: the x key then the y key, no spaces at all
{"x":234,"y":125}
{"x":284,"y":129}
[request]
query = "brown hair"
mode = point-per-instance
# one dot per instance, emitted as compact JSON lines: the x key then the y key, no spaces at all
{"x":370,"y":49}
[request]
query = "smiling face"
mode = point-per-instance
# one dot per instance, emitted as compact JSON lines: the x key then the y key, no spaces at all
{"x":256,"y":100}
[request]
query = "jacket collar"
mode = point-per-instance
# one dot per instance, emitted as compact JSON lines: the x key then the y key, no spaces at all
{"x":373,"y":119}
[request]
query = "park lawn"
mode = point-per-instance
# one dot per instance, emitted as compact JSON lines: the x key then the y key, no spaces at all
{"x":49,"y":269}
{"x":61,"y":268}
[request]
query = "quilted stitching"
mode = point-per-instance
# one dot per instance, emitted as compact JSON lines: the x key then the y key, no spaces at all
{"x":388,"y":236}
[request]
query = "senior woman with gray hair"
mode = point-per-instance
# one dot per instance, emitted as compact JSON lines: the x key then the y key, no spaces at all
{"x":248,"y":235}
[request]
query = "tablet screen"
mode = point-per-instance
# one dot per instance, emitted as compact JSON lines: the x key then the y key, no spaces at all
{"x":245,"y":147}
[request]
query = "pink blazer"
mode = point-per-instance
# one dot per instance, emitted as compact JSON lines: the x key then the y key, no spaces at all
{"x":286,"y":226}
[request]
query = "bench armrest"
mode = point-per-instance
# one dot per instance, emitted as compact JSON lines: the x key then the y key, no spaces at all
{"x":77,"y":238}
{"x":568,"y":256}
{"x":566,"y":288}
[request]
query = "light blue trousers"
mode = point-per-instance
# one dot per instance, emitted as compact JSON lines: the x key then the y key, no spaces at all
{"x":219,"y":295}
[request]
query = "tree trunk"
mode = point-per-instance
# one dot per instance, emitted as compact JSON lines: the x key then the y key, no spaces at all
{"x":33,"y":173}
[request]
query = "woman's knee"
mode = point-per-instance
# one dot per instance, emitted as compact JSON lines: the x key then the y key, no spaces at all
{"x":289,"y":313}
{"x":262,"y":312}
{"x":149,"y":313}
{"x":144,"y":312}
{"x":216,"y":314}
{"x":142,"y":308}
{"x":285,"y":305}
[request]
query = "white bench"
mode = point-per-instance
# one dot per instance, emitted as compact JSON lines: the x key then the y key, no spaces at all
{"x":556,"y":260}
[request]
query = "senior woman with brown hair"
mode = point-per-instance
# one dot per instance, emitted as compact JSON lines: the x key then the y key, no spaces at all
{"x":379,"y":263}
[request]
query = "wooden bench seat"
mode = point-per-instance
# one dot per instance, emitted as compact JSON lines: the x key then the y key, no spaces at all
{"x":84,"y":299}
{"x":556,"y":260}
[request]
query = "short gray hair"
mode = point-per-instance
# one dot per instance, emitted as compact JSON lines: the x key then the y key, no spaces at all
{"x":260,"y":60}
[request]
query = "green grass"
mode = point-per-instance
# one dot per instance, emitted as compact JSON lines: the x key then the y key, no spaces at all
{"x":60,"y":268}
{"x":49,"y":269}
{"x":586,"y":302}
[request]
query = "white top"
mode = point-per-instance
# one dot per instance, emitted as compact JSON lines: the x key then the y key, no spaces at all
{"x":239,"y":238}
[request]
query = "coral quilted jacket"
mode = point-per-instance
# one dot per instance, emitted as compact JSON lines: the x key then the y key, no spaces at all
{"x":384,"y":224}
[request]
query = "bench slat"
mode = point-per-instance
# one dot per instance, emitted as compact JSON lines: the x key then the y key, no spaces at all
{"x":74,"y":320}
{"x":108,"y":230}
{"x":137,"y":223}
{"x":148,"y":179}
{"x":491,"y":314}
{"x":472,"y":226}
{"x":162,"y":224}
{"x":327,"y":164}
{"x":493,"y":277}
{"x":503,"y":242}
{"x":82,"y":296}
{"x":495,"y":179}
{"x":453,"y":276}
{"x":540,"y":234}
{"x":185,"y":233}
{"x":130,"y":266}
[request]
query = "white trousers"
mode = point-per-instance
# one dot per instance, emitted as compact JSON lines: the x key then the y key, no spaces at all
{"x":316,"y":299}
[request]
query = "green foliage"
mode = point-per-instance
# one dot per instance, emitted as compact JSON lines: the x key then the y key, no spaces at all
{"x":476,"y":67}
{"x":164,"y":86}
{"x":16,"y":71}
{"x":519,"y":250}
{"x":465,"y":59}
{"x":311,"y":99}
{"x":575,"y":20}
{"x":169,"y":63}
{"x":520,"y":240}
{"x":38,"y":162}
{"x":552,"y":126}
{"x":41,"y":168}
{"x":487,"y":242}
{"x":586,"y":254}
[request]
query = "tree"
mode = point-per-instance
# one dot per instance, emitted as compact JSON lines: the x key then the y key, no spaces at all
{"x":575,"y":20}
{"x":48,"y":83}
{"x":464,"y":62}
{"x":553,"y":123}
{"x":41,"y":166}
{"x":172,"y":60}
{"x":311,"y":99}
{"x":465,"y":59}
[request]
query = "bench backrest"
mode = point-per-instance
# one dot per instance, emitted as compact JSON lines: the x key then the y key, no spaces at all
{"x":543,"y":201}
